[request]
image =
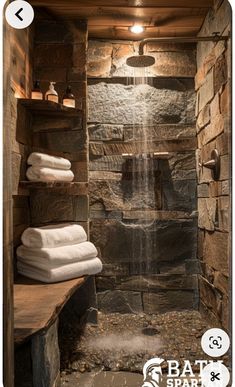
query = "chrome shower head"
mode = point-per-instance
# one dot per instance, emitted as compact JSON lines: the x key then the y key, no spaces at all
{"x":140,"y":61}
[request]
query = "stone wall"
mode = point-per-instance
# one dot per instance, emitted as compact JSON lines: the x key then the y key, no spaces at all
{"x":60,"y":50}
{"x":57,"y":55}
{"x":17,"y":83}
{"x":213,"y":86}
{"x":108,"y":59}
{"x":146,"y":241}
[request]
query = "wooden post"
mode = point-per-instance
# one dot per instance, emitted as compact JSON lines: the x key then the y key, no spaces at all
{"x":8,"y":353}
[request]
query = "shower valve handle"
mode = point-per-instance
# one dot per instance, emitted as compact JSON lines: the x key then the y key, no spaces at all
{"x":209,"y":164}
{"x":213,"y":164}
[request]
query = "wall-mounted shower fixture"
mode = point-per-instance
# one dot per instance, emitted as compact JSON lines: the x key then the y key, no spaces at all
{"x":213,"y":164}
{"x":142,"y":60}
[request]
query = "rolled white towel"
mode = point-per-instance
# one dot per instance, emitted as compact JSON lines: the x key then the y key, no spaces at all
{"x":48,"y":174}
{"x":43,"y":160}
{"x":61,"y":273}
{"x":57,"y":235}
{"x":51,"y":257}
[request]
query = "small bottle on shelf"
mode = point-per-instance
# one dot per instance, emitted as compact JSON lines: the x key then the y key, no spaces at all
{"x":68,"y":98}
{"x":51,"y":94}
{"x":36,"y":92}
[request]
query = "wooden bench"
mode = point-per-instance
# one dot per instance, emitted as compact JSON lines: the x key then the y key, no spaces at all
{"x":36,"y":310}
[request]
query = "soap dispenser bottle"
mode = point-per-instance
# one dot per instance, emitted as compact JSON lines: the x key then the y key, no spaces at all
{"x":68,"y":98}
{"x":36,"y":92}
{"x":51,"y":94}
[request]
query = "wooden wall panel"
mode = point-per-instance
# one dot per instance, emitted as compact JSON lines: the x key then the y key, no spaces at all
{"x":8,"y":354}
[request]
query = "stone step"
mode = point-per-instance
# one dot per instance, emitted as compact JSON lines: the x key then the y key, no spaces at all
{"x":152,"y":283}
{"x":123,"y":301}
{"x":163,"y":302}
{"x":101,"y":379}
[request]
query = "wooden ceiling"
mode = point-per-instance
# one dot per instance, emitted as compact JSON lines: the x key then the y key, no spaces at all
{"x":112,"y":19}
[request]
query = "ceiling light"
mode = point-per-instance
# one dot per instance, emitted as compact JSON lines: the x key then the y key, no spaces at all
{"x":137,"y":29}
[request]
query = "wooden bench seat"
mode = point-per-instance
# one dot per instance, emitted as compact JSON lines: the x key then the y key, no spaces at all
{"x":37,"y":305}
{"x":36,"y":310}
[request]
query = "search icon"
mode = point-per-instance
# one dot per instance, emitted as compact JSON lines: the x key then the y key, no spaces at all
{"x":215,"y":342}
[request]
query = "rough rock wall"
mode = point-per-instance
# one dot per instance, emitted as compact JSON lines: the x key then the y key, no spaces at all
{"x":148,"y":246}
{"x":56,"y":52}
{"x":108,"y":59}
{"x":213,"y":86}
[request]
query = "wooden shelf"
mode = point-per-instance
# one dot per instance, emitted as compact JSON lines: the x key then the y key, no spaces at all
{"x":37,"y":305}
{"x":79,"y":188}
{"x":48,"y":107}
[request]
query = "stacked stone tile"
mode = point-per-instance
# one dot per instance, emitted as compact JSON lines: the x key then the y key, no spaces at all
{"x":148,"y":265}
{"x":213,"y":111}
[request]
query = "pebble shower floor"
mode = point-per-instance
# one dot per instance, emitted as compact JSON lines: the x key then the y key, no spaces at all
{"x":117,"y":348}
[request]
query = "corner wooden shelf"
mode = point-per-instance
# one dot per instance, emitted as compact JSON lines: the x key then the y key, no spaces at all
{"x":37,"y":305}
{"x":49,"y":107}
{"x":76,"y":187}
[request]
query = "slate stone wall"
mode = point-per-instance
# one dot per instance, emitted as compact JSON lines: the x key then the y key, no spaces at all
{"x":52,"y":55}
{"x":148,"y":242}
{"x":108,"y":59}
{"x":213,"y":110}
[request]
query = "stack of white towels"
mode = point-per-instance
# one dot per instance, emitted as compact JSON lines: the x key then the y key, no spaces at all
{"x":46,"y":168}
{"x":57,"y":253}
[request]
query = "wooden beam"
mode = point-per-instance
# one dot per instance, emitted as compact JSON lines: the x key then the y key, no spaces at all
{"x":138,"y":13}
{"x":100,"y":32}
{"x":122,"y":3}
{"x":7,"y":277}
{"x":163,"y":23}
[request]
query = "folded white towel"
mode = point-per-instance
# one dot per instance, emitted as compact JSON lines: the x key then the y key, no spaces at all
{"x":51,"y":257}
{"x":48,"y":174}
{"x":44,"y":160}
{"x":61,"y":273}
{"x":57,"y":235}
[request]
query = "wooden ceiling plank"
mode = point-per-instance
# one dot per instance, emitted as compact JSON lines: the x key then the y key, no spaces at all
{"x":182,"y":22}
{"x":120,"y":3}
{"x":112,"y":18}
{"x":188,"y":10}
{"x":126,"y":35}
{"x":85,"y":11}
{"x":156,"y":29}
